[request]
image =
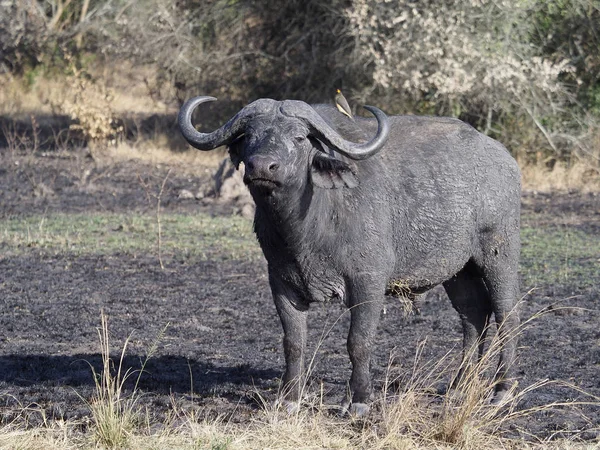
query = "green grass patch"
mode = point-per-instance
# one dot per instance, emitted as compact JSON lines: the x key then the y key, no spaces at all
{"x":557,"y":254}
{"x":183,"y":236}
{"x":550,"y":254}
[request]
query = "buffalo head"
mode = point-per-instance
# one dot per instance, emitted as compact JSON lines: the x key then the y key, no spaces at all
{"x":277,"y":140}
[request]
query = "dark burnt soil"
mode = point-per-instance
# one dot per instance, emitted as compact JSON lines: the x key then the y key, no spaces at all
{"x":221,"y":349}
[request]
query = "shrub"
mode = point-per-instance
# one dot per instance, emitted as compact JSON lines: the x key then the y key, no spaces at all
{"x":242,"y":49}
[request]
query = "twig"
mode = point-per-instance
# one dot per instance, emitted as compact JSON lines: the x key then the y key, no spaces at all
{"x":542,"y":129}
{"x":36,"y":133}
{"x":158,"y":198}
{"x":158,"y":222}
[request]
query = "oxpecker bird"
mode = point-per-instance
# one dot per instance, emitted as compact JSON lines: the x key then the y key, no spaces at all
{"x":342,"y":104}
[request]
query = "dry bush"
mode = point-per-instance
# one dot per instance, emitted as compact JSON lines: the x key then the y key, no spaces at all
{"x":517,"y":70}
{"x":89,"y":104}
{"x":32,"y":32}
{"x":243,"y":49}
{"x":466,"y":54}
{"x":524,"y":72}
{"x":570,"y":29}
{"x":471,"y":59}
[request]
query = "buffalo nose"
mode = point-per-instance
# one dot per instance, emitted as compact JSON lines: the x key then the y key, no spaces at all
{"x":259,"y":164}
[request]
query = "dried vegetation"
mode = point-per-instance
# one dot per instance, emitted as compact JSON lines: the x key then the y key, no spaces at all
{"x":408,"y":414}
{"x":525,"y":72}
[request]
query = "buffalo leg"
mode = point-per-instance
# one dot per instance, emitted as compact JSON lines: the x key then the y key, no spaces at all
{"x":500,"y":265}
{"x":471,"y":299}
{"x":504,"y":295}
{"x":293,"y":320}
{"x":365,"y":317}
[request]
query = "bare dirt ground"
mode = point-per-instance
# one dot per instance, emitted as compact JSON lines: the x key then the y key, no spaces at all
{"x":222,"y":346}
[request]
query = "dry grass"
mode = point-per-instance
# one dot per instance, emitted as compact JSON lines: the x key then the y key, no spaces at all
{"x":157,"y":152}
{"x":115,"y":413}
{"x":400,"y":290}
{"x":413,"y":417}
{"x":580,"y":176}
{"x":131,"y":85}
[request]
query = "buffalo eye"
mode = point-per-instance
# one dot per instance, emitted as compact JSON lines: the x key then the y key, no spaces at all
{"x":300,"y":139}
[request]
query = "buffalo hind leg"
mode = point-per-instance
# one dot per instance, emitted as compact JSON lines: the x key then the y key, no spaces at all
{"x":470,"y":297}
{"x":502,"y":283}
{"x":499,"y":263}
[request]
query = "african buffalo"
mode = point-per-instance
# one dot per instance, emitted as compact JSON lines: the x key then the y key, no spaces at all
{"x":425,"y":201}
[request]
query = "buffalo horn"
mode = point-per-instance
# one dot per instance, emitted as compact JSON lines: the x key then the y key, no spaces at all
{"x":322,"y":131}
{"x":222,"y":136}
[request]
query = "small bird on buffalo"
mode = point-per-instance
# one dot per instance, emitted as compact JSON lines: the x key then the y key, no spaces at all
{"x":342,"y":104}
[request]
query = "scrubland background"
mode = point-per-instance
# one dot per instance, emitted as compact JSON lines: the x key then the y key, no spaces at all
{"x":525,"y":72}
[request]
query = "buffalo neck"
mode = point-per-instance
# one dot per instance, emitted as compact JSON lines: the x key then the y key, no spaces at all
{"x":298,"y":221}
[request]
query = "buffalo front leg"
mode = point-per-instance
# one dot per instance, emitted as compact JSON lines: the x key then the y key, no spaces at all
{"x":293,"y":320}
{"x":365,"y":311}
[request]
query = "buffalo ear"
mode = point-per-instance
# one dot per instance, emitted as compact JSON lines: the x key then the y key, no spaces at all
{"x":235,"y":151}
{"x":330,"y":173}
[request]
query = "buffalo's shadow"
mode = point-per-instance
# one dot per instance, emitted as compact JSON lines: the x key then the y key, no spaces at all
{"x":161,"y":375}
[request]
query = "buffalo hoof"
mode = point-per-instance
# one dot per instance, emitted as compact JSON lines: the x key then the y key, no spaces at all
{"x":358,"y":410}
{"x":501,"y":398}
{"x":290,"y":407}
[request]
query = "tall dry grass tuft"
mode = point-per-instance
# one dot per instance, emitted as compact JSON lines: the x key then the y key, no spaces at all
{"x":114,"y":411}
{"x":464,"y":417}
{"x":467,"y":418}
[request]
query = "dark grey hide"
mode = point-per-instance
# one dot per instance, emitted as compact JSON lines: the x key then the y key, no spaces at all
{"x":426,"y":201}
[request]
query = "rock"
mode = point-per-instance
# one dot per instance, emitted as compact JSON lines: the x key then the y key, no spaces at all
{"x":184,"y":194}
{"x":230,"y":188}
{"x":248,"y":211}
{"x":42,"y":190}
